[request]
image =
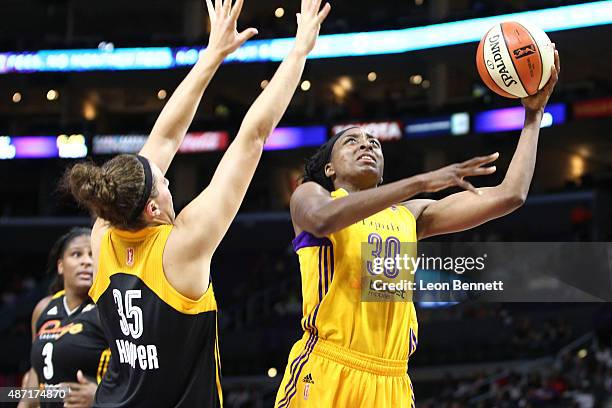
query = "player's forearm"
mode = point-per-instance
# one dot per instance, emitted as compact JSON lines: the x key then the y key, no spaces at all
{"x":30,"y":381}
{"x":338,"y":214}
{"x":28,"y":403}
{"x":270,"y":106}
{"x":178,"y":113}
{"x":520,"y":172}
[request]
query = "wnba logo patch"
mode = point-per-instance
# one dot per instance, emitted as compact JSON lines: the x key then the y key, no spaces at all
{"x":130,"y":257}
{"x":306,"y":391}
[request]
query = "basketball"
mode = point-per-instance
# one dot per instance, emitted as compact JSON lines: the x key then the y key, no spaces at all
{"x":515,"y":59}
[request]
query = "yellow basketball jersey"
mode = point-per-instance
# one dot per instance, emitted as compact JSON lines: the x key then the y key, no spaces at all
{"x":155,"y":332}
{"x":140,"y":254}
{"x":331,"y":269}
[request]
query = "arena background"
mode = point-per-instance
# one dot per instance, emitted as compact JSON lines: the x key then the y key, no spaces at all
{"x":426,"y":103}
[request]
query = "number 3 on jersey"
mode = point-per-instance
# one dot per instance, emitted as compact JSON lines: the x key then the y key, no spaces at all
{"x":47,"y":353}
{"x":133,"y":312}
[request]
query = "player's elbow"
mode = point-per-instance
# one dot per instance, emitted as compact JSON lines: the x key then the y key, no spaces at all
{"x":263,"y":131}
{"x":514,"y":201}
{"x":510,"y":198}
{"x":250,"y":141}
{"x":257,"y":129}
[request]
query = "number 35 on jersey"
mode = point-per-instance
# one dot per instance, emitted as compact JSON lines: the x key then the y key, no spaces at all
{"x":131,"y":323}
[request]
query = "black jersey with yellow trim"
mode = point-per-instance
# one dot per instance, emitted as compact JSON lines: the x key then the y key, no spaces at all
{"x":67,"y":341}
{"x":164,"y":345}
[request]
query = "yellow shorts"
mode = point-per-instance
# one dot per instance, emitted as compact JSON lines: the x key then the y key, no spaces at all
{"x":320,"y":374}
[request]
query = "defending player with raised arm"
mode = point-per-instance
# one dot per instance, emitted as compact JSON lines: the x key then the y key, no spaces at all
{"x":355,"y":353}
{"x":152,"y":283}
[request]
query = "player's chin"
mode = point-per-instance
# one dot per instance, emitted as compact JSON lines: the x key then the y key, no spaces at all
{"x":370,"y":174}
{"x":84,"y":281}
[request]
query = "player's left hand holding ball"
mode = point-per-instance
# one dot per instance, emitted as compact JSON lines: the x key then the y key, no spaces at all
{"x":538,"y":101}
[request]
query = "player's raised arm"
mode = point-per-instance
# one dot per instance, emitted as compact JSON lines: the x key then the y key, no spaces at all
{"x":464,"y":210}
{"x":204,"y":222}
{"x":174,"y":120}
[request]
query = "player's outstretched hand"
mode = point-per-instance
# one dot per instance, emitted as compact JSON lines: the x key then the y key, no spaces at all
{"x":224,"y":35}
{"x":309,"y":23}
{"x":453,"y":175}
{"x":538,"y":101}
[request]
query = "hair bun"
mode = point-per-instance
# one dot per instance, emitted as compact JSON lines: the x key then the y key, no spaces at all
{"x":111,"y":191}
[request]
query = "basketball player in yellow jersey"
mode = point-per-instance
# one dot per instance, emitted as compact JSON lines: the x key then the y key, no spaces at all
{"x":152,"y":278}
{"x":353,"y":353}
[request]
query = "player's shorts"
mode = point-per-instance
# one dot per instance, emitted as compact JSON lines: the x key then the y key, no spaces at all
{"x":320,"y":374}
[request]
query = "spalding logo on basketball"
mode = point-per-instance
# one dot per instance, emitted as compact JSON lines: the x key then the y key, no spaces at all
{"x":515,"y":59}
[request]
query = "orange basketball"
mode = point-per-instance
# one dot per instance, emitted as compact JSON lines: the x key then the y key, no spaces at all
{"x":515,"y":59}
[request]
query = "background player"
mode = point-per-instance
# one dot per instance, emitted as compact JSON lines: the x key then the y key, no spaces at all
{"x":68,"y":344}
{"x":355,"y":353}
{"x":153,"y":283}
